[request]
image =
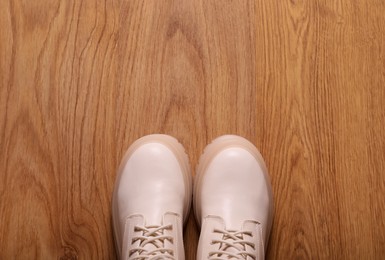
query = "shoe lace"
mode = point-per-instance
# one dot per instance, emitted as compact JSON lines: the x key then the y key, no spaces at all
{"x":232,"y":240}
{"x":152,"y":235}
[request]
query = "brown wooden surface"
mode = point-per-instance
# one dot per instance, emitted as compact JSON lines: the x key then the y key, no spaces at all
{"x":81,"y":80}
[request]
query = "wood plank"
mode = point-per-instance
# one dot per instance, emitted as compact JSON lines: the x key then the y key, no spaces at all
{"x":81,"y":80}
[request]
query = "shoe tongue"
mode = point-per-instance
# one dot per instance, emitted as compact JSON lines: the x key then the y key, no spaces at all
{"x":229,"y":248}
{"x":156,"y":243}
{"x":218,"y":222}
{"x":152,"y":224}
{"x":151,"y":246}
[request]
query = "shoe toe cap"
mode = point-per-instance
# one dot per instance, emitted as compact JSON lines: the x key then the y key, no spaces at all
{"x":236,"y":186}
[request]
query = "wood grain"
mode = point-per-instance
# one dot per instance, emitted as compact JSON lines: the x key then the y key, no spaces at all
{"x":81,"y":80}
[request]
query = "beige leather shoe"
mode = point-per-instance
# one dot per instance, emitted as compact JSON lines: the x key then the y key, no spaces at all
{"x":151,"y":199}
{"x":233,"y":200}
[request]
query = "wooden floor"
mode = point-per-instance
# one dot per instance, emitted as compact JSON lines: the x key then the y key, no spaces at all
{"x":303,"y":80}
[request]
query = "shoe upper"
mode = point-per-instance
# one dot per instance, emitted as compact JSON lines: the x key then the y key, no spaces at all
{"x":151,"y":198}
{"x":233,"y":201}
{"x":148,"y":241}
{"x":219,"y":242}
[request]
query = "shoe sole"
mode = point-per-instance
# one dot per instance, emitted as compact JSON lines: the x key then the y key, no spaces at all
{"x":179,"y":152}
{"x":217,"y":145}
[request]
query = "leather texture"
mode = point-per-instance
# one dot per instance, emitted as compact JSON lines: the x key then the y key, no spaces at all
{"x":152,"y":189}
{"x":233,"y":192}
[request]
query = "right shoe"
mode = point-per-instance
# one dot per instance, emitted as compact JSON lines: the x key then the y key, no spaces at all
{"x":151,"y":200}
{"x":233,"y":201}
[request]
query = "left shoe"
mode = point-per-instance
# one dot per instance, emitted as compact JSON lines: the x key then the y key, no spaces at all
{"x":151,"y":200}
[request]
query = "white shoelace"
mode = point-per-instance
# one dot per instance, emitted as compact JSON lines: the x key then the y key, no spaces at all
{"x":153,"y":235}
{"x":232,"y":240}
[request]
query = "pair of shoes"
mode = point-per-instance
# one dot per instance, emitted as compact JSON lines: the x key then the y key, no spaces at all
{"x":233,"y":200}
